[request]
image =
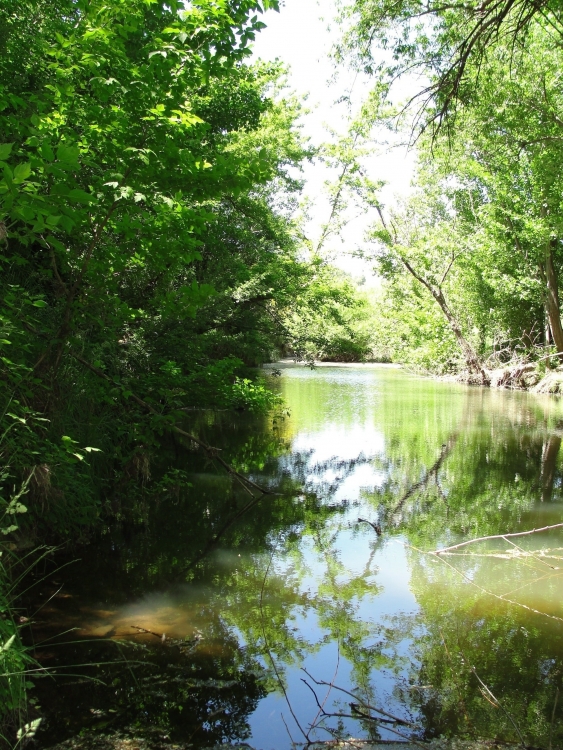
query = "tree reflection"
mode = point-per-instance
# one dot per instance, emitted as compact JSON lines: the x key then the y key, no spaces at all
{"x":269,"y":582}
{"x":470,"y":638}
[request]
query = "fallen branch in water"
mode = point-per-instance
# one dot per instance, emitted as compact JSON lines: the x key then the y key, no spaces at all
{"x":361,"y":702}
{"x":160,"y":636}
{"x":500,"y":597}
{"x":375,"y":526}
{"x":358,"y":714}
{"x":495,"y":536}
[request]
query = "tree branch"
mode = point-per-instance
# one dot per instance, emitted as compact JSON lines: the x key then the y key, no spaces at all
{"x":496,"y":536}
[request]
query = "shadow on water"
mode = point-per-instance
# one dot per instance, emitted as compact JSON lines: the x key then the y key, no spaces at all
{"x":188,"y":616}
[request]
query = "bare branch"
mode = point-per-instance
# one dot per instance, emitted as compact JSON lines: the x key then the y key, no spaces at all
{"x":495,"y":536}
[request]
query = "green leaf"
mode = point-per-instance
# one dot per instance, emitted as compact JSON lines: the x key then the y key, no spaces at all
{"x":28,"y":213}
{"x":22,"y":172}
{"x":54,"y":242}
{"x":68,"y":154}
{"x":39,"y":303}
{"x":5,"y":150}
{"x":81,"y":196}
{"x":47,"y":152}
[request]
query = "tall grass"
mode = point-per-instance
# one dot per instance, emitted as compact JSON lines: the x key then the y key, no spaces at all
{"x":15,"y":724}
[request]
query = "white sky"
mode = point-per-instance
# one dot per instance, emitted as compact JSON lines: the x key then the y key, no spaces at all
{"x":301,"y":36}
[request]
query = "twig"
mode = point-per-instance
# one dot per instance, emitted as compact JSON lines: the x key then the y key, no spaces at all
{"x":501,"y":597}
{"x":530,"y":554}
{"x":357,"y":713}
{"x":160,"y":636}
{"x":497,"y":704}
{"x":495,"y":536}
{"x":374,"y":718}
{"x":362,"y":702}
{"x":287,"y":730}
{"x":357,"y":709}
{"x":322,"y":705}
{"x":545,"y":577}
{"x":432,"y":472}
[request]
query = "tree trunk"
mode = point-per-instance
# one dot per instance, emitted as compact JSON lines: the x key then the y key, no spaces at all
{"x":472,"y":360}
{"x":552,"y":300}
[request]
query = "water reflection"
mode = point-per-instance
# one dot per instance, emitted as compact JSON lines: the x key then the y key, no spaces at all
{"x":249,"y":594}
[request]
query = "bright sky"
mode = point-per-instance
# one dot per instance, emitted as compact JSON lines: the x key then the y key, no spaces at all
{"x":301,"y":36}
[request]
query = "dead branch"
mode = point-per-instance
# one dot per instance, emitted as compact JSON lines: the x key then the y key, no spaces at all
{"x":486,"y":692}
{"x":160,"y":636}
{"x":495,"y":536}
{"x":360,"y":701}
{"x":366,"y":717}
{"x":375,"y":526}
{"x":500,"y":597}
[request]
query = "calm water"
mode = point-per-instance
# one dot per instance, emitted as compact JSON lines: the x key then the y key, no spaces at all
{"x":297,"y":591}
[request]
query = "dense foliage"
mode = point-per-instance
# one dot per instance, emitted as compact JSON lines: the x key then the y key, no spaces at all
{"x":472,"y":257}
{"x":149,"y":252}
{"x":149,"y":247}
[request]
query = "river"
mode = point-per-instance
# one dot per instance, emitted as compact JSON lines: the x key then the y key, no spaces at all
{"x":296,"y":591}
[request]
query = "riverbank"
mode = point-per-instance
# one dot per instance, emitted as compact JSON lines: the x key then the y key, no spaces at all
{"x":120,"y":742}
{"x":522,"y":376}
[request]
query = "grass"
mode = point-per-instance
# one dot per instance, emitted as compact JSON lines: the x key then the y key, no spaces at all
{"x":15,"y":724}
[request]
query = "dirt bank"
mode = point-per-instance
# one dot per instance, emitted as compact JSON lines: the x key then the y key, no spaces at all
{"x":525,"y":376}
